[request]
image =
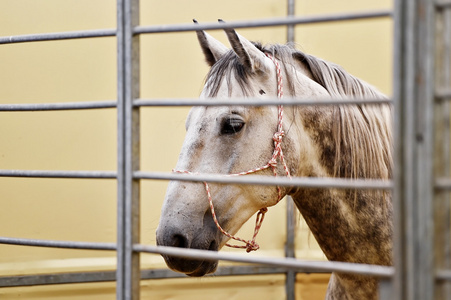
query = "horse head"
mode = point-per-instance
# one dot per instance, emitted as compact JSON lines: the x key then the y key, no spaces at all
{"x":228,"y":140}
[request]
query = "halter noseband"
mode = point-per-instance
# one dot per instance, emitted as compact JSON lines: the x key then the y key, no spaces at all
{"x":251,"y":245}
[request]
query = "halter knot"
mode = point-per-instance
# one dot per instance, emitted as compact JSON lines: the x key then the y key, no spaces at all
{"x":278,"y":136}
{"x":252,"y":246}
{"x":273,"y":162}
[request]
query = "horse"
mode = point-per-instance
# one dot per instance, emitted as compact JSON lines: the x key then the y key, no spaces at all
{"x":341,"y":141}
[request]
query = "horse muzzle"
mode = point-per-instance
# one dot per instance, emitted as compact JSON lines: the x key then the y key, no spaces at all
{"x":202,"y":240}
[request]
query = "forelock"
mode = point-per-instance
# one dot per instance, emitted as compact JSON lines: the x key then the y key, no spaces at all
{"x":228,"y":65}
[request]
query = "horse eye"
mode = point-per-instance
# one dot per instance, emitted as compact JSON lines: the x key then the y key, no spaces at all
{"x":232,"y":126}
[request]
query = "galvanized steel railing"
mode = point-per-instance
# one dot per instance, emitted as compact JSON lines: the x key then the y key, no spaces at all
{"x":412,"y":56}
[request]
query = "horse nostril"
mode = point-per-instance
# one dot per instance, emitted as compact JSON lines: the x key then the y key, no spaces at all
{"x":179,"y":241}
{"x":213,"y":246}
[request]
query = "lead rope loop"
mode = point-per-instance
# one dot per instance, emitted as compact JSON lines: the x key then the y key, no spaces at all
{"x":252,"y":245}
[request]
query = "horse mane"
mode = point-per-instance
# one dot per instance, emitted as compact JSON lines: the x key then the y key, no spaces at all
{"x":362,"y":133}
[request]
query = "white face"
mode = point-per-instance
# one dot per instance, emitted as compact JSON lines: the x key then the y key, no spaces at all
{"x":219,"y":140}
{"x":229,"y":140}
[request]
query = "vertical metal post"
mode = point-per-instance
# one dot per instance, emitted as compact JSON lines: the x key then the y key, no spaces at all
{"x":442,"y":166}
{"x":413,"y":177}
{"x":385,"y":289}
{"x":127,"y":275}
{"x":290,"y":281}
{"x":290,"y":13}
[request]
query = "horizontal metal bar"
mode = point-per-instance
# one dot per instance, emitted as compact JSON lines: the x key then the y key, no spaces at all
{"x":254,"y":102}
{"x":443,"y":184}
{"x":57,"y":244}
{"x":39,"y":37}
{"x":60,"y":278}
{"x":264,"y":22}
{"x":59,"y":174}
{"x":306,"y":182}
{"x":443,"y":94}
{"x":106,"y":276}
{"x":443,"y":275}
{"x":58,"y":106}
{"x":192,"y":27}
{"x":441,"y":4}
{"x":185,"y":102}
{"x":290,"y":263}
{"x":221,"y":271}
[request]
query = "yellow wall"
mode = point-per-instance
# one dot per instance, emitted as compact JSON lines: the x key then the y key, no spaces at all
{"x":172,"y":66}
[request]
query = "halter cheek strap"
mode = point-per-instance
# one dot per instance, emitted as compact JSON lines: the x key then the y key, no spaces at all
{"x":251,"y":245}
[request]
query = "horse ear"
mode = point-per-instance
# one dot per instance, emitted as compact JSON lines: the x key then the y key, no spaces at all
{"x":250,"y":56}
{"x":212,"y":48}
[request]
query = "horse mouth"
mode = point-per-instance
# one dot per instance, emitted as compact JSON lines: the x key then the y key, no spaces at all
{"x":191,"y":267}
{"x":206,"y":267}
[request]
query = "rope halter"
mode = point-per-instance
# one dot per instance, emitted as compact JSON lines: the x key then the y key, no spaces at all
{"x":251,"y":245}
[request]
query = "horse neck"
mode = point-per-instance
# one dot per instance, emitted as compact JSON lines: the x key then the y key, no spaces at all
{"x":346,"y":226}
{"x":349,"y":225}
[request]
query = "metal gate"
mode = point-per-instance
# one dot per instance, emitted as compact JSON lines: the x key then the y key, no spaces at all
{"x":420,"y":186}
